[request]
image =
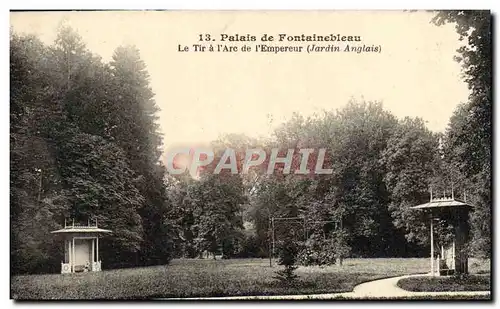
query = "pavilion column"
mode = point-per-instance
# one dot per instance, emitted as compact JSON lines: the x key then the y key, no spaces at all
{"x":432,"y":246}
{"x":97,"y":249}
{"x":93,"y":252}
{"x":73,"y":255}
{"x":454,"y":256}
{"x":70,"y":258}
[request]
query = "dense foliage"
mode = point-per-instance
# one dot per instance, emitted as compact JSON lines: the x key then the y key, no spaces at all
{"x":468,"y":138}
{"x":85,"y":144}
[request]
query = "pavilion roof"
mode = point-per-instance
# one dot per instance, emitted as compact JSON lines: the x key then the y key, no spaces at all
{"x":81,"y":229}
{"x":443,"y":203}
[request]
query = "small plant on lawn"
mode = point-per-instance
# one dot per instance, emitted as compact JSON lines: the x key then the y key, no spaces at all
{"x":288,"y":251}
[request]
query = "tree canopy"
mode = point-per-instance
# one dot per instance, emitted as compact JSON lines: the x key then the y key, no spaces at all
{"x":85,"y":143}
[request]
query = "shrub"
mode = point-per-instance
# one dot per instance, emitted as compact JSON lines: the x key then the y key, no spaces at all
{"x":288,"y":251}
{"x":319,"y":251}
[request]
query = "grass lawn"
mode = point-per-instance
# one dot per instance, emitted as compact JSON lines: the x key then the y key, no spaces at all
{"x":202,"y":278}
{"x":446,"y":284}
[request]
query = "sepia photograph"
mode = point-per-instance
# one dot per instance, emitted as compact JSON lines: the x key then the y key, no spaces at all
{"x":251,"y":155}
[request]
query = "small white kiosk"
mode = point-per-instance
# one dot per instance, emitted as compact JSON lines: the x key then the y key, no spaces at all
{"x":81,"y":247}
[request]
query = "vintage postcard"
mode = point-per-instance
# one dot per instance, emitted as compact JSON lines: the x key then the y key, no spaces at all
{"x":244,"y":155}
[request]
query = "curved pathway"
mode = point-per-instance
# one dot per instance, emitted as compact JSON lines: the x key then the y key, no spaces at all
{"x":382,"y":288}
{"x":388,"y":288}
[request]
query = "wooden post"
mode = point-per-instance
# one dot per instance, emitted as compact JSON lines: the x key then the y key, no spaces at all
{"x":305,"y":229}
{"x":40,"y":185}
{"x":432,"y":247}
{"x":272,"y":222}
{"x":438,"y":267}
{"x":341,"y":258}
{"x":269,"y":244}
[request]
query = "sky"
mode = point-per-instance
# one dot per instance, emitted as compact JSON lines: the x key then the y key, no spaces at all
{"x":204,"y":95}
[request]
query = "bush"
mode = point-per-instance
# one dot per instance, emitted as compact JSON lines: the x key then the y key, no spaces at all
{"x":248,"y":247}
{"x":319,"y":251}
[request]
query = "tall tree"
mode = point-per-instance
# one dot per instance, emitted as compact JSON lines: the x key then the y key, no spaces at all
{"x":469,"y":136}
{"x":84,"y":143}
{"x":99,"y":185}
{"x":363,"y":133}
{"x":217,"y":201}
{"x":137,"y":132}
{"x":34,"y":181}
{"x":410,"y":160}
